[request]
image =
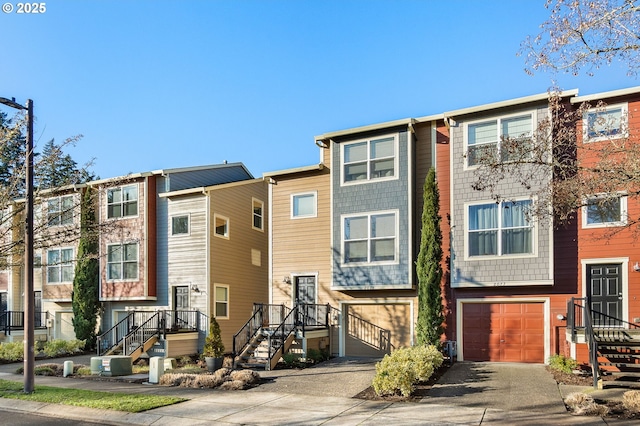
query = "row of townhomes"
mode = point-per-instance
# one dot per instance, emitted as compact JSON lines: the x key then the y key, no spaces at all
{"x":324,"y":255}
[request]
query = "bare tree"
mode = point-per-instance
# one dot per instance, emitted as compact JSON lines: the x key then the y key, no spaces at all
{"x":584,"y":35}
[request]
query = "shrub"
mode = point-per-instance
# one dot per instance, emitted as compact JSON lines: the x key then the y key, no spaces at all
{"x":562,"y":363}
{"x":223,"y":378}
{"x":631,"y":401}
{"x":58,"y":347}
{"x":317,"y":355}
{"x":584,"y":405}
{"x":404,"y":367}
{"x":13,"y":351}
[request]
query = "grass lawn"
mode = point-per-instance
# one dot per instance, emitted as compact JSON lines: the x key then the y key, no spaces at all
{"x":85,"y":398}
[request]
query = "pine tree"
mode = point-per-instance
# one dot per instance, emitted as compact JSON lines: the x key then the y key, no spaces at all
{"x":12,"y":158}
{"x":85,"y":297}
{"x":429,"y":327}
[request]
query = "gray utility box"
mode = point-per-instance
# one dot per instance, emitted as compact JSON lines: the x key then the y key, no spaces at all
{"x":114,"y":365}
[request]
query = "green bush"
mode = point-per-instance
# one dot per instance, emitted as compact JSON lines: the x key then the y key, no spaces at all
{"x":317,"y":355}
{"x":562,"y":363}
{"x":13,"y":351}
{"x":404,"y":367}
{"x":54,"y":348}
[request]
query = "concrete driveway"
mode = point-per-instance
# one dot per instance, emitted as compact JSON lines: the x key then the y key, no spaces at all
{"x":502,"y":386}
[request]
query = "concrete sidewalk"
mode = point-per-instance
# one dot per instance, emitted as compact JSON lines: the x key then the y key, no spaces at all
{"x":469,"y":394}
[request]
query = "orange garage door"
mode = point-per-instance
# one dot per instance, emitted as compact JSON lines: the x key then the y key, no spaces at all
{"x":508,"y":332}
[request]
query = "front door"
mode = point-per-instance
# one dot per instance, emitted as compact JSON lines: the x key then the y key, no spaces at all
{"x":37,"y":308}
{"x":180,"y":305}
{"x":605,"y":293}
{"x":306,"y":298}
{"x":3,"y":309}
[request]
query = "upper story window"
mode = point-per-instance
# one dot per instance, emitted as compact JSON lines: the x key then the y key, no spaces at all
{"x":605,"y":210}
{"x":370,"y":238}
{"x":500,"y":229}
{"x":60,"y":210}
{"x":122,"y":262}
{"x":60,"y":266}
{"x":222,"y":301}
{"x":304,"y":205}
{"x":606,"y":123}
{"x":122,"y":201}
{"x":180,"y":225}
{"x":258,"y":214}
{"x":506,"y":138}
{"x":221,"y":226}
{"x":370,"y":159}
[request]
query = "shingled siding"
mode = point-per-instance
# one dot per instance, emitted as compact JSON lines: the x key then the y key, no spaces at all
{"x":371,"y":197}
{"x":499,"y":270}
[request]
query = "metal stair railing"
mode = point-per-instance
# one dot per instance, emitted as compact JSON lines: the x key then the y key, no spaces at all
{"x":14,"y":320}
{"x":313,"y":316}
{"x":181,"y":320}
{"x":113,"y":337}
{"x":248,"y":331}
{"x":140,"y":335}
{"x":279,"y":336}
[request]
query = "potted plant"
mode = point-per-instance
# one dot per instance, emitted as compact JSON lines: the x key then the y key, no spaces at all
{"x":213,"y":350}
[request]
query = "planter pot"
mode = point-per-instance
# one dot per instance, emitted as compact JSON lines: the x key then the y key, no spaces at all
{"x":213,"y":364}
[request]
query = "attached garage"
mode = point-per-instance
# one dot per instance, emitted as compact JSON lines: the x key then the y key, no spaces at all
{"x":503,"y":332}
{"x":373,"y":330}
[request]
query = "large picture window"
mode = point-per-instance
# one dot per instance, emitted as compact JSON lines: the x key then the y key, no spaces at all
{"x":500,"y":229}
{"x":122,"y":201}
{"x":370,"y":238}
{"x":601,"y":211}
{"x":60,"y":211}
{"x":122,"y":262}
{"x":60,"y":266}
{"x":506,"y":138}
{"x":369,"y":159}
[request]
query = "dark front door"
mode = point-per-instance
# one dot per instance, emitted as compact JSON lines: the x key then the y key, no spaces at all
{"x":181,"y":304}
{"x":306,"y":299}
{"x":37,"y":308}
{"x":3,"y":309}
{"x":605,"y":293}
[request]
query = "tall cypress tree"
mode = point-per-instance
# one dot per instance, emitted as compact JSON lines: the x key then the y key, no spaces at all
{"x":85,"y":298}
{"x":428,"y":267}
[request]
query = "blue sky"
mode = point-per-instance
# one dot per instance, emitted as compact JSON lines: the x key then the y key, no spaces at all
{"x":165,"y":84}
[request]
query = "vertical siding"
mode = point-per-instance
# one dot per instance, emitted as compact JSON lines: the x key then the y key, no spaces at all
{"x":231,"y":260}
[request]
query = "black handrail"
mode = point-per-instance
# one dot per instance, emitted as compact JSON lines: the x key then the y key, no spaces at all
{"x":14,"y":320}
{"x":138,"y":337}
{"x":280,"y":335}
{"x":113,"y":336}
{"x":249,"y":330}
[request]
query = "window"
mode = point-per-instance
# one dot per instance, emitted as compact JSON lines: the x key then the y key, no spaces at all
{"x":122,"y":202}
{"x":601,"y":211}
{"x":60,"y":211}
{"x":221,"y":226}
{"x":60,"y":266}
{"x":304,"y":205}
{"x":222,"y":301}
{"x":500,"y":229}
{"x":369,"y":159}
{"x":258,"y":212}
{"x":122,"y":261}
{"x":507,"y":137}
{"x":370,"y":238}
{"x":606,"y":123}
{"x":180,"y":225}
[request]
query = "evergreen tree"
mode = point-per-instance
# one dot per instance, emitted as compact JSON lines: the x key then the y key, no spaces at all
{"x":85,"y":297}
{"x":56,"y":169}
{"x":429,"y":327}
{"x":12,"y":158}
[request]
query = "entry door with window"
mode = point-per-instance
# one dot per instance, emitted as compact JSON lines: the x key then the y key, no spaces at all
{"x":605,"y":293}
{"x":3,"y":309}
{"x":37,"y":309}
{"x":180,"y":305}
{"x":306,"y":298}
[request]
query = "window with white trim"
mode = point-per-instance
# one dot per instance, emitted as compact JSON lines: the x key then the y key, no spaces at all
{"x":605,"y":123}
{"x":221,"y":301}
{"x":60,"y":210}
{"x":370,"y":238}
{"x":604,"y":210}
{"x":122,"y":201}
{"x":180,"y":225}
{"x":506,"y":138}
{"x":221,"y":226}
{"x":369,"y":159}
{"x":258,"y":214}
{"x":60,"y":268}
{"x":500,"y":229}
{"x":122,"y":262}
{"x":304,"y":205}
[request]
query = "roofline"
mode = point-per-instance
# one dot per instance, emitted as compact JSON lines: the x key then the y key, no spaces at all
{"x":204,"y":189}
{"x":508,"y":103}
{"x":603,"y":95}
{"x":120,"y":178}
{"x":303,"y":169}
{"x":361,"y":129}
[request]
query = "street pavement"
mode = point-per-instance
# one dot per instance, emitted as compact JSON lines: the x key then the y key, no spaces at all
{"x":467,"y":394}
